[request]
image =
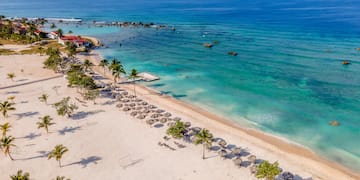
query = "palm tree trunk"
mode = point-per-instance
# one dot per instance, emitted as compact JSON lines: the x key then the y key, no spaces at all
{"x":10,"y":156}
{"x":203,"y":151}
{"x":59,"y":163}
{"x":134,"y":89}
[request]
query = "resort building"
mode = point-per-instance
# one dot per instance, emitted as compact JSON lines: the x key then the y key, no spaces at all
{"x":77,"y":40}
{"x":53,"y":35}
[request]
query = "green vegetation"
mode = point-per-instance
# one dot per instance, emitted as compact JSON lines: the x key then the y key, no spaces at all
{"x":104,"y":63}
{"x":203,"y":137}
{"x":76,"y":77}
{"x":91,"y":95}
{"x":54,"y":60}
{"x":64,"y":107}
{"x":61,"y":178}
{"x":52,"y":26}
{"x":6,"y":52}
{"x":5,"y":128}
{"x":57,"y":153}
{"x":10,"y":33}
{"x":71,"y":49}
{"x":177,"y":130}
{"x":133,"y":76}
{"x":11,"y":76}
{"x":45,"y":123}
{"x":5,"y":107}
{"x":43,"y":98}
{"x":42,"y":48}
{"x":117,"y":69}
{"x":87,"y":65}
{"x":20,"y":176}
{"x":6,"y":144}
{"x":267,"y":170}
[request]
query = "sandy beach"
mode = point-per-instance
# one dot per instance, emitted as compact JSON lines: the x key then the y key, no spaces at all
{"x":105,"y":142}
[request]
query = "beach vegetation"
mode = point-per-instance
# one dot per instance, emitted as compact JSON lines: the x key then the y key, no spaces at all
{"x":267,"y":170}
{"x":6,"y":143}
{"x":52,"y":26}
{"x":45,"y":123}
{"x":20,"y":175}
{"x":44,"y":98}
{"x":91,"y":95}
{"x":61,"y":178}
{"x":87,"y":65}
{"x":54,"y":60}
{"x":11,"y":99}
{"x":76,"y":77}
{"x":6,"y":52}
{"x":5,"y":128}
{"x":64,"y":107}
{"x":70,"y":32}
{"x":177,"y":130}
{"x":58,"y":153}
{"x":204,"y":137}
{"x":11,"y":33}
{"x":116,"y":70}
{"x":70,"y":49}
{"x":60,"y":32}
{"x":104,"y":63}
{"x":133,"y":75}
{"x":11,"y":76}
{"x":5,"y":107}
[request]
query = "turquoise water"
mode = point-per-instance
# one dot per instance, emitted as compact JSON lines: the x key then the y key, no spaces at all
{"x":287,"y":80}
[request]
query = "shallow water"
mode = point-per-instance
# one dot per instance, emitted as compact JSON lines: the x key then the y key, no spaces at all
{"x":287,"y":79}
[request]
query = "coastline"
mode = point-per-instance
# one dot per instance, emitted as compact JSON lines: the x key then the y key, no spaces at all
{"x":299,"y":155}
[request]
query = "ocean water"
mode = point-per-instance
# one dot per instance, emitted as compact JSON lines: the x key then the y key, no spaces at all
{"x":287,"y":80}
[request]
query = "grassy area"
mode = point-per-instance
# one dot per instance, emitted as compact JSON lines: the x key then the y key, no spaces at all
{"x":6,"y":52}
{"x":41,"y":48}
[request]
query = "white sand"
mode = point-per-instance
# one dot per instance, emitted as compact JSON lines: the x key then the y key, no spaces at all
{"x":105,"y":143}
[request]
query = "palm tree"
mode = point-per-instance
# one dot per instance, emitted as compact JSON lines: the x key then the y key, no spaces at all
{"x":177,"y":130}
{"x":203,"y":137}
{"x":5,"y":128}
{"x":117,"y":71}
{"x":5,"y":107}
{"x":11,"y":98}
{"x":11,"y":76}
{"x":87,"y":64}
{"x":20,"y":176}
{"x":133,"y":76}
{"x":113,"y":64}
{"x":57,"y":153}
{"x":43,"y":98}
{"x":45,"y":123}
{"x":6,"y":143}
{"x":104,"y":63}
{"x":268,"y":170}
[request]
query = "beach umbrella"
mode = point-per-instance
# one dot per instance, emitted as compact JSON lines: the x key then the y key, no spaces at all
{"x":160,"y":111}
{"x":167,"y":114}
{"x":252,"y":159}
{"x":222,"y":143}
{"x":146,"y":111}
{"x":126,"y":109}
{"x":236,"y":151}
{"x":222,"y":153}
{"x":187,"y":124}
{"x":131,"y":96}
{"x":171,"y":124}
{"x":119,"y":105}
{"x":163,"y":120}
{"x":125,"y":100}
{"x":138,"y":100}
{"x":238,"y":161}
{"x":144,"y":103}
{"x":150,"y":122}
{"x":141,"y":116}
{"x":253,"y":169}
{"x":196,"y":129}
{"x":177,"y":119}
{"x":134,"y":113}
{"x":138,"y":108}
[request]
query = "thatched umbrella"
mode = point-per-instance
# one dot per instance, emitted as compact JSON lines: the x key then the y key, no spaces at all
{"x":252,"y":159}
{"x":119,"y":105}
{"x":138,"y":100}
{"x":171,"y":124}
{"x":160,"y":111}
{"x":126,"y":109}
{"x":196,"y":129}
{"x":141,"y":116}
{"x":125,"y":93}
{"x":187,"y":124}
{"x":152,"y":107}
{"x":146,"y":111}
{"x":167,"y":114}
{"x":131,"y":96}
{"x":150,"y":122}
{"x":253,"y":169}
{"x":163,"y":120}
{"x":134,"y":113}
{"x":222,"y":153}
{"x":177,"y":119}
{"x":132,"y":104}
{"x":154,"y":116}
{"x":236,"y":151}
{"x":222,"y":143}
{"x":144,"y":103}
{"x":138,"y":108}
{"x":238,"y":161}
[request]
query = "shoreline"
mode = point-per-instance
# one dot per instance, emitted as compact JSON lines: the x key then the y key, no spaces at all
{"x":211,"y":121}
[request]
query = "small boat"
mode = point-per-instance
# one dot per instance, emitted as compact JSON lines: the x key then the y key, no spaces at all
{"x":208,"y":45}
{"x":232,"y":53}
{"x":346,"y":63}
{"x":334,"y":123}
